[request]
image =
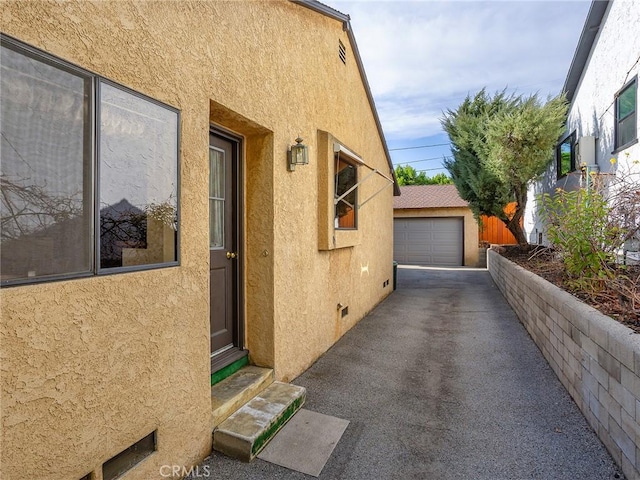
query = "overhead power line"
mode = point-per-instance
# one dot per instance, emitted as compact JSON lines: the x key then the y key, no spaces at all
{"x":430,"y":169}
{"x":420,"y":146}
{"x":417,"y":161}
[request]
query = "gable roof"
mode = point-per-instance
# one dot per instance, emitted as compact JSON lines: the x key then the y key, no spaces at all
{"x":346,"y":25}
{"x":429,"y":196}
{"x":585,"y":44}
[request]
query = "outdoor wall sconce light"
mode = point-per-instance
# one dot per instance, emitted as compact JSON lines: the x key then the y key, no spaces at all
{"x":297,"y":155}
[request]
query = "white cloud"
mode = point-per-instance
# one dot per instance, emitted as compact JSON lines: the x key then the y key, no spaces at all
{"x":423,"y":57}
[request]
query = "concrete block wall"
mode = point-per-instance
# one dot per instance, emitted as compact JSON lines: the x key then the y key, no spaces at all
{"x":596,"y":358}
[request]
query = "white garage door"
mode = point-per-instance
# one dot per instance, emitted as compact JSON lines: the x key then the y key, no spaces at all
{"x":428,"y":241}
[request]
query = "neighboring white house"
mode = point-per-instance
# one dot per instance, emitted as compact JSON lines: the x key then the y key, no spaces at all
{"x":602,"y":88}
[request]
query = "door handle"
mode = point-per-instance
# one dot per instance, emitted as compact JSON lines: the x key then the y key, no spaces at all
{"x":231,"y":255}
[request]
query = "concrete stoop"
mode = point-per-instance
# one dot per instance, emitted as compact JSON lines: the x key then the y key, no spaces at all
{"x":249,"y":428}
{"x":236,"y":390}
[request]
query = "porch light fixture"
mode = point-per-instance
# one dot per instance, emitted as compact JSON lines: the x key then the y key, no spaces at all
{"x":297,"y":155}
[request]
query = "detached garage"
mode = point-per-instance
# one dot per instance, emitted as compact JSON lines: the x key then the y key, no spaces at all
{"x":434,"y":226}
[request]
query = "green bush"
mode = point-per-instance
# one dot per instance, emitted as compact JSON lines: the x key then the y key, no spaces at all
{"x":579,"y":229}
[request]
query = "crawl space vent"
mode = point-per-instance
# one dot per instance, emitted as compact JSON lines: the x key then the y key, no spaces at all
{"x":130,"y":457}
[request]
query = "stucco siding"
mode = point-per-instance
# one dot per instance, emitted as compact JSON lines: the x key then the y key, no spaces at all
{"x":89,"y":366}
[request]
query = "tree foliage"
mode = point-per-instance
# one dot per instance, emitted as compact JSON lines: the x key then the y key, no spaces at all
{"x":439,"y":179}
{"x":501,"y":144}
{"x":407,"y":175}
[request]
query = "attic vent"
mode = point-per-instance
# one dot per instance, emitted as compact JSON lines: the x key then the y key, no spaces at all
{"x":342,"y":51}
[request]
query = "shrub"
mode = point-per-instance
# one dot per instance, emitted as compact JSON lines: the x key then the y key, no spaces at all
{"x":578,"y":227}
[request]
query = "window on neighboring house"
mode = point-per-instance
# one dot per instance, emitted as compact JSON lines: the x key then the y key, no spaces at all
{"x":566,"y":155}
{"x":53,"y":116}
{"x":626,"y":102}
{"x":346,"y":180}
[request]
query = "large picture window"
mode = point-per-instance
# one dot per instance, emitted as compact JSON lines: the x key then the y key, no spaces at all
{"x":51,"y":172}
{"x":137,"y":181}
{"x":626,"y":128}
{"x":45,"y":168}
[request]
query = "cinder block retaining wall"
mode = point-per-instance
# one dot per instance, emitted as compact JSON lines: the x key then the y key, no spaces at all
{"x":596,"y":358}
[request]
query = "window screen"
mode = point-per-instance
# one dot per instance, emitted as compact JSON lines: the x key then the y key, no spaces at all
{"x":45,"y":169}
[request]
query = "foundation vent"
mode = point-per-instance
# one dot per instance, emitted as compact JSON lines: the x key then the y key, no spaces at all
{"x":342,"y":52}
{"x":129,"y":458}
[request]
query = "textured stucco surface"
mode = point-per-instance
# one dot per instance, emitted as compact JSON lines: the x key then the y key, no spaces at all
{"x":89,"y":366}
{"x":470,"y":226}
{"x":612,"y":63}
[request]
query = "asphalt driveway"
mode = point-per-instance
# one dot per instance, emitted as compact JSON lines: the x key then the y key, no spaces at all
{"x":441,"y":381}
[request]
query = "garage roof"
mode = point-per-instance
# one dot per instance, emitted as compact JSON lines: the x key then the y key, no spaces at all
{"x":428,"y":196}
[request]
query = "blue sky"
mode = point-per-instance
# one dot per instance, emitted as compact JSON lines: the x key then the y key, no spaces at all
{"x":423,"y":57}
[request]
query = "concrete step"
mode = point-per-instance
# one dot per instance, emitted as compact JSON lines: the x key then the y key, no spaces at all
{"x":233,"y":392}
{"x":246,"y":432}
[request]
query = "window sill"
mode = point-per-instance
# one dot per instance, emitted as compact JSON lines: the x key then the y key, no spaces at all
{"x":344,"y":238}
{"x":625,"y":146}
{"x":85,"y":275}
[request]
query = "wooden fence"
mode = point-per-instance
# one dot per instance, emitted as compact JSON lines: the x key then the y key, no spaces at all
{"x":494,"y":231}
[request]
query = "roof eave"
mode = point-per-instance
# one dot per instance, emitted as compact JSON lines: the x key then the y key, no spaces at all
{"x":323,"y":9}
{"x":346,"y":25}
{"x":585,"y":44}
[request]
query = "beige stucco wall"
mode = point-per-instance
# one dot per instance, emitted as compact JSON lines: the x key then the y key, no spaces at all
{"x":470,"y":227}
{"x":89,"y":366}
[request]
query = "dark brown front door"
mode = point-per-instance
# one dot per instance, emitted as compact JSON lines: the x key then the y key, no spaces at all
{"x":223,"y":243}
